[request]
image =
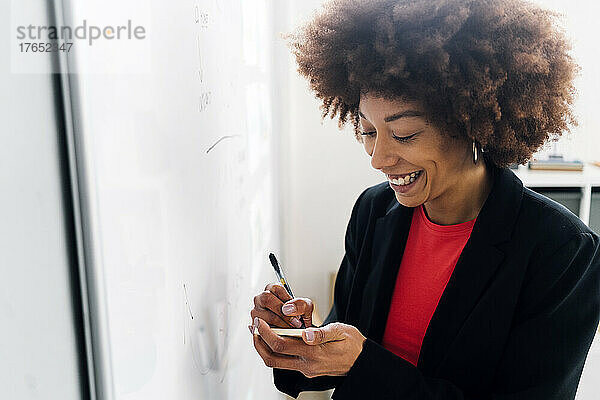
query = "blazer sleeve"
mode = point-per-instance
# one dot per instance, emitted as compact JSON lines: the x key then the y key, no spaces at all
{"x":545,"y":352}
{"x":293,"y":382}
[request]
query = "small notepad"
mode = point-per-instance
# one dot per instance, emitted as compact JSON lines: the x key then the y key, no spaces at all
{"x":286,"y":332}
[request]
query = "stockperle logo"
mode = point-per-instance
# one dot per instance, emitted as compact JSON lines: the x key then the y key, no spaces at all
{"x":91,"y":33}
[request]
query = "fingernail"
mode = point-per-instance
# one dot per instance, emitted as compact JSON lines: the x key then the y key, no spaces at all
{"x":255,"y":323}
{"x":288,"y":309}
{"x":296,"y":322}
{"x":310,"y":336}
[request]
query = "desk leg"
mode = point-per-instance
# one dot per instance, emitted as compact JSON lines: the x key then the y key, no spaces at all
{"x":586,"y":204}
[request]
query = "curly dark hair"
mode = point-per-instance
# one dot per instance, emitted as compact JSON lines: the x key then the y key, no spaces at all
{"x":495,"y":71}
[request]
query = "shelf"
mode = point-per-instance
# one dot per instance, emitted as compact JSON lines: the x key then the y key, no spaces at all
{"x":585,"y":180}
{"x":536,"y":178}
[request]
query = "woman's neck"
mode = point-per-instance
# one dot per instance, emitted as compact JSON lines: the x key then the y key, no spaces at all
{"x":465,"y":201}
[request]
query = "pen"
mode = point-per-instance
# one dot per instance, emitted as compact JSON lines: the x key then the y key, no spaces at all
{"x":282,"y":279}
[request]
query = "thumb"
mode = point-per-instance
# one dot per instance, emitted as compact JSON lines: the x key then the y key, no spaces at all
{"x":327,"y":333}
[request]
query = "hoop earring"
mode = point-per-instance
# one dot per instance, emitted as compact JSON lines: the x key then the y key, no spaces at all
{"x":475,"y":155}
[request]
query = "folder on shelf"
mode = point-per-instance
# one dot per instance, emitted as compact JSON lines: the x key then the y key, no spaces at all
{"x":556,"y":163}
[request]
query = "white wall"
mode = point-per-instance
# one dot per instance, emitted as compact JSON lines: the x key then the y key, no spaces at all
{"x":581,"y":25}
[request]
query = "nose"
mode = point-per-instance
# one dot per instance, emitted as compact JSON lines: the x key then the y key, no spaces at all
{"x":382,"y":155}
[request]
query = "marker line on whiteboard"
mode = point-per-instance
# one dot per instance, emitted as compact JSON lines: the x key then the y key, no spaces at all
{"x":218,"y":141}
{"x":187,"y":302}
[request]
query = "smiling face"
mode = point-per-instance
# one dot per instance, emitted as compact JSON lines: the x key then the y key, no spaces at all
{"x":400,"y":141}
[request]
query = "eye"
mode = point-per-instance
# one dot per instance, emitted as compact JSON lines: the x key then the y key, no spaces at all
{"x":405,"y":139}
{"x":402,"y":139}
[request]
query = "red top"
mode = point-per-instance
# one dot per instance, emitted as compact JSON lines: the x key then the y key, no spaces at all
{"x":429,"y":259}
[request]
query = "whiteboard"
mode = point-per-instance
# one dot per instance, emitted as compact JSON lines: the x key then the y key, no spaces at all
{"x":39,"y":313}
{"x":176,"y":164}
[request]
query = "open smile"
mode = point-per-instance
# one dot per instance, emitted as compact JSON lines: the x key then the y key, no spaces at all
{"x":404,"y":183}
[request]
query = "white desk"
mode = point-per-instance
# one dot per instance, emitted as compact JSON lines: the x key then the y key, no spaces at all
{"x":585,"y":180}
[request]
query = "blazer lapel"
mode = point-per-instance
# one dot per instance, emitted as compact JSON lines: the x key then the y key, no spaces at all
{"x":389,"y":239}
{"x":475,"y":267}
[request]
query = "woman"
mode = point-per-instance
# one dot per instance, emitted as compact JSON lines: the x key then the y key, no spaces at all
{"x":457,"y":282}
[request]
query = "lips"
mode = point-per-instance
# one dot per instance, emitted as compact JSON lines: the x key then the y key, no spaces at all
{"x":402,"y":175}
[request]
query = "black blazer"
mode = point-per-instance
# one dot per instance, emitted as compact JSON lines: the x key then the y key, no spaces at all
{"x":515,"y":321}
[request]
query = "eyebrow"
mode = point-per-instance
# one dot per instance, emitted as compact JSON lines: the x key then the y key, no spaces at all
{"x":401,"y":114}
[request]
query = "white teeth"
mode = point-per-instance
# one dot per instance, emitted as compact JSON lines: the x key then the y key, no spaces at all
{"x":406,"y":180}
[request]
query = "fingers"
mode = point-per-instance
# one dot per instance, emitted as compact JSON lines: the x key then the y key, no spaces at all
{"x":328,"y":333}
{"x":269,"y":317}
{"x":267,"y":306}
{"x":302,"y":307}
{"x":274,"y":360}
{"x":280,"y":344}
{"x":278,"y":290}
{"x":344,"y":343}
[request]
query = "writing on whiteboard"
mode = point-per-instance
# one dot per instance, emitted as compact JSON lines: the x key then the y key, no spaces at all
{"x":204,"y":101}
{"x":201,"y":17}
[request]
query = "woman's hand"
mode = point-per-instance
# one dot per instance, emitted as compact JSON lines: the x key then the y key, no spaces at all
{"x":329,"y":350}
{"x":276,"y":307}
